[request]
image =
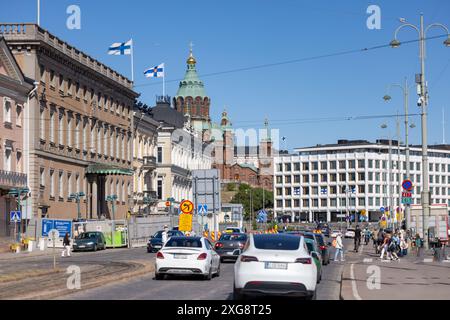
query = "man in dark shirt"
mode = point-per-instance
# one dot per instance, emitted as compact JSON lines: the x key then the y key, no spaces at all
{"x":357,"y":238}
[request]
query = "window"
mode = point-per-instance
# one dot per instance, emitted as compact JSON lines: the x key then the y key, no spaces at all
{"x":306,"y":191}
{"x":342,"y":164}
{"x":352,"y":164}
{"x":279,"y":203}
{"x":69,"y":87}
{"x":362,"y":202}
{"x":69,"y":131}
{"x":297,"y":179}
{"x":370,"y":176}
{"x":287,"y":167}
{"x":6,"y":110}
{"x":19,"y":115}
{"x":7,"y":159}
{"x":296,"y":203}
{"x":377,"y":164}
{"x":323,"y":165}
{"x":280,"y":167}
{"x":52,"y":183}
{"x":288,"y":179}
{"x":370,"y":164}
{"x":315,"y":178}
{"x":351,"y":177}
{"x":61,"y":184}
{"x":61,"y":83}
{"x":361,"y":176}
{"x":69,"y":183}
{"x":77,"y":132}
{"x":333,"y":165}
{"x":19,"y":161}
{"x":42,"y":177}
{"x":333,"y":177}
{"x":315,"y":166}
{"x":305,"y":202}
{"x":160,"y":154}
{"x":279,"y":179}
{"x":342,"y":177}
{"x":315,"y":190}
{"x":279,"y":191}
{"x":361,"y":164}
{"x":361,"y":189}
{"x":61,"y":128}
{"x":42,"y":124}
{"x":42,"y":73}
{"x":315,"y":203}
{"x":287,"y":191}
{"x":52,"y":79}
{"x":305,"y":166}
{"x":288,"y":203}
{"x":333,"y":203}
{"x":160,"y":189}
{"x":323,"y":178}
{"x":305,"y":178}
{"x":297,"y":166}
{"x":77,"y":182}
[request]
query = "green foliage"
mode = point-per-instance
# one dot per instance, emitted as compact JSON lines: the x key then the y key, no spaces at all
{"x":231,"y":187}
{"x":246,"y":194}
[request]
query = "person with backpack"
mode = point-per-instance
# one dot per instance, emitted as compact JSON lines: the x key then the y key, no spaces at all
{"x":392,"y":248}
{"x":380,"y":241}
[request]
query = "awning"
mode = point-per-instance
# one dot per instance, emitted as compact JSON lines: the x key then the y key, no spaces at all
{"x":108,"y":170}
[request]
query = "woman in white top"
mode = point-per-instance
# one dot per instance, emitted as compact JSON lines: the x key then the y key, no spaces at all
{"x":339,"y":248}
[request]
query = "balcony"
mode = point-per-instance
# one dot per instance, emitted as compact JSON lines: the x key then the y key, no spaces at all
{"x":149,"y":163}
{"x":10,"y":179}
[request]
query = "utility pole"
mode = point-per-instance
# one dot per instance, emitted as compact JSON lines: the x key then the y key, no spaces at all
{"x":399,"y":180}
{"x":423,"y":103}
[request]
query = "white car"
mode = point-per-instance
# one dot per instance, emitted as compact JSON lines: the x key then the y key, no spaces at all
{"x":187,"y":256}
{"x":350,"y":233}
{"x":275,"y":264}
{"x":335,"y":233}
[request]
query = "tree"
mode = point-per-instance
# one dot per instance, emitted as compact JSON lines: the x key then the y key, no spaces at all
{"x":246,"y":192}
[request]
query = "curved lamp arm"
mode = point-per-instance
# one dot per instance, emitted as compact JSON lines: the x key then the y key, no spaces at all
{"x":403,"y":26}
{"x":438,"y":25}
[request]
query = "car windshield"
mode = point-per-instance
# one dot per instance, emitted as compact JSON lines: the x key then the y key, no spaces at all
{"x":233,"y":237}
{"x":174,"y":233}
{"x":350,"y":230}
{"x":87,"y":235}
{"x":158,"y":235}
{"x":277,"y":242}
{"x":184,"y":242}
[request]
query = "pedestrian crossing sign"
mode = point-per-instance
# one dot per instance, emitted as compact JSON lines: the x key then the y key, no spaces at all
{"x":15,"y":216}
{"x":202,"y":209}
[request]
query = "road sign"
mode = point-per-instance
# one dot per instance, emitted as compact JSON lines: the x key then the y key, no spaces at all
{"x":187,"y":206}
{"x":185,"y":222}
{"x":15,"y":216}
{"x":382,"y":209}
{"x":63,"y":227}
{"x":407,"y":185}
{"x":202,"y":209}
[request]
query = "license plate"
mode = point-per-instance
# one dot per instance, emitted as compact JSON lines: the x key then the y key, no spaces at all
{"x":230,"y":253}
{"x":179,"y":256}
{"x":276,"y":265}
{"x":81,"y":246}
{"x":157,"y":246}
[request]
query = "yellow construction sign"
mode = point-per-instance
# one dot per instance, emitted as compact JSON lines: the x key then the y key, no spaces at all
{"x":185,"y":222}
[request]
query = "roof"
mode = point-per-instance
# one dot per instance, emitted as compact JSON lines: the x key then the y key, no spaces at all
{"x":163,"y":112}
{"x":108,"y":170}
{"x":191,"y":85}
{"x":246,"y":165}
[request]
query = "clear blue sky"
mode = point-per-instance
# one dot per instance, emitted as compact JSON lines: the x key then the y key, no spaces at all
{"x":237,"y":34}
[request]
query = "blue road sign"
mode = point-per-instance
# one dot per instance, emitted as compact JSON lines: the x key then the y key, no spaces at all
{"x":202,"y":209}
{"x":262,"y":216}
{"x":63,"y":227}
{"x":382,"y":209}
{"x":15,"y":216}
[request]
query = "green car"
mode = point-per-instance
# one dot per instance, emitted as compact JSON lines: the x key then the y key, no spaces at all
{"x":317,"y":257}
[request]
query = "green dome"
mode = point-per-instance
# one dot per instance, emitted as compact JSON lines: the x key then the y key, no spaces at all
{"x":191,"y":85}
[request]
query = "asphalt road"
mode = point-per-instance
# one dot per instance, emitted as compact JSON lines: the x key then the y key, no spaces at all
{"x":182,"y":288}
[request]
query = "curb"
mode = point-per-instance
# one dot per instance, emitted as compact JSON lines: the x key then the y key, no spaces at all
{"x":346,"y":284}
{"x":144,"y":269}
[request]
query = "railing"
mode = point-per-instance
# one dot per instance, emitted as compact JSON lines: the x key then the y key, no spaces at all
{"x":13,"y":179}
{"x":32,"y":32}
{"x":149,"y":162}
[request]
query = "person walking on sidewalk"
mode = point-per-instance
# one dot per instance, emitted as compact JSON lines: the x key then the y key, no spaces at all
{"x":357,"y":238}
{"x":339,"y":248}
{"x":380,"y":240}
{"x":419,"y":245}
{"x":66,"y":244}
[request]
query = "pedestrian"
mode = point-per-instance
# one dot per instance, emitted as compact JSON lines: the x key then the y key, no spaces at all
{"x":165,"y":235}
{"x":66,"y":244}
{"x":357,"y":238}
{"x":380,"y":241}
{"x":403,"y":247}
{"x":384,"y":246}
{"x":419,"y":244}
{"x":392,"y":248}
{"x":339,"y":246}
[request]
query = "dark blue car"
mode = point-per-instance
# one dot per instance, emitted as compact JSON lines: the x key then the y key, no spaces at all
{"x":155,"y":242}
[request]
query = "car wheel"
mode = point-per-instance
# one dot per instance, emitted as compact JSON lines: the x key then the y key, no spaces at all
{"x":218,"y":271}
{"x":236,"y":294}
{"x":209,"y":275}
{"x":95,"y":247}
{"x":159,"y":276}
{"x":313,"y":296}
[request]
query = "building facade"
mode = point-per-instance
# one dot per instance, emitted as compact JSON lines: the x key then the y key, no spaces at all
{"x":79,"y":127}
{"x":14,"y":90}
{"x":329,"y":182}
{"x":145,"y":141}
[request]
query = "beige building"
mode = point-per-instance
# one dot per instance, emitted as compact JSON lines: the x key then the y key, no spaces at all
{"x":144,"y":162}
{"x":14,"y":90}
{"x":78,"y":135}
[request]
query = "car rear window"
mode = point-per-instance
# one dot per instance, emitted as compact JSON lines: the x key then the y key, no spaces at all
{"x":184,"y":242}
{"x":310,"y":247}
{"x":277,"y":242}
{"x":320,"y":240}
{"x":233,"y":237}
{"x":87,"y":235}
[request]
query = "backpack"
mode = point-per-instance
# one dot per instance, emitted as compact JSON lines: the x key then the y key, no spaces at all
{"x":334,"y":243}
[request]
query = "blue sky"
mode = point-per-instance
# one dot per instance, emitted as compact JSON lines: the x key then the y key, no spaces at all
{"x":236,"y":34}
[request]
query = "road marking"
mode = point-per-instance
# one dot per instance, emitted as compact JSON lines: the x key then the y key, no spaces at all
{"x":428,"y":260}
{"x":354,"y":288}
{"x":446,"y":261}
{"x":367,"y":260}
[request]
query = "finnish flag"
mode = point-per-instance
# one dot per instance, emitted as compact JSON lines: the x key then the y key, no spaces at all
{"x":155,"y":72}
{"x":119,"y":49}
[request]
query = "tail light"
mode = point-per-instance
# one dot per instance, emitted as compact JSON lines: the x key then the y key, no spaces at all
{"x":159,"y":255}
{"x":202,"y":256}
{"x":303,"y":260}
{"x":219,"y":245}
{"x":248,"y":259}
{"x":323,"y":247}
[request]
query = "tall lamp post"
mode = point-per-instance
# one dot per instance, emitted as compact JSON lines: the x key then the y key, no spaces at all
{"x":405,"y":89}
{"x":113,"y":199}
{"x":423,"y":103}
{"x":390,"y":189}
{"x":18,"y":192}
{"x":77,"y":197}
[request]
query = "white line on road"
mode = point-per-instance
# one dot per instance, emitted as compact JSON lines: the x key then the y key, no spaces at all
{"x":354,"y":288}
{"x":368,"y":260}
{"x":428,"y":260}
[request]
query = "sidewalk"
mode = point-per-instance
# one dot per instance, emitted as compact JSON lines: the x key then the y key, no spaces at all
{"x":410,"y":278}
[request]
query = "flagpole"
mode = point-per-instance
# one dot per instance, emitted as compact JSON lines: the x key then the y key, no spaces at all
{"x":164,"y":82}
{"x":38,"y":12}
{"x":132,"y":61}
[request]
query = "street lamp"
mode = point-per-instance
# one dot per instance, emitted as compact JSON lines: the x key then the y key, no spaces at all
{"x":77,"y":197}
{"x":390,"y":191}
{"x":18,"y":192}
{"x":112,"y":198}
{"x":251,"y":207}
{"x":405,"y":89}
{"x":423,"y":102}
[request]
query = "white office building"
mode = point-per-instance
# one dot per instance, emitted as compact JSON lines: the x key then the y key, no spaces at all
{"x":329,"y":182}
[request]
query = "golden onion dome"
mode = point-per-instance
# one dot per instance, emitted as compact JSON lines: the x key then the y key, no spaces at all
{"x":191,"y":59}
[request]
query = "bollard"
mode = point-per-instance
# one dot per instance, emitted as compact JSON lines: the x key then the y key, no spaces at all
{"x":42,"y":244}
{"x":30,"y":246}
